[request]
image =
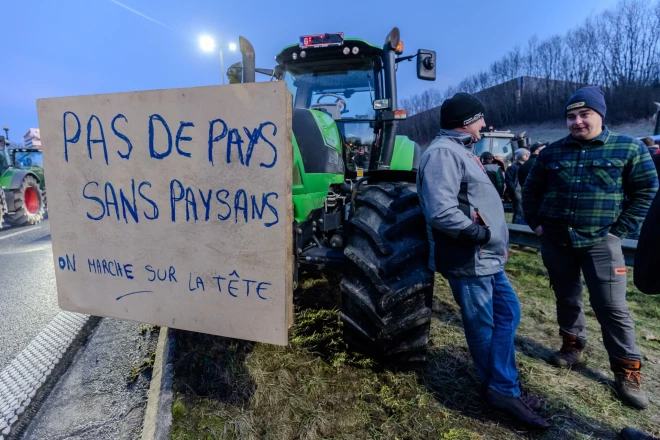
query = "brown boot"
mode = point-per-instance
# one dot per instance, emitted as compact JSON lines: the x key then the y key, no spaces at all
{"x":571,"y":352}
{"x":628,"y":377}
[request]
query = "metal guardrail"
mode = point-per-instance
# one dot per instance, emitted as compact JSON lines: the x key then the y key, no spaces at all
{"x":524,"y":236}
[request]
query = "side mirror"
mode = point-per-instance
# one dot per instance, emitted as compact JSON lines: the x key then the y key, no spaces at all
{"x":235,"y":73}
{"x":426,"y":65}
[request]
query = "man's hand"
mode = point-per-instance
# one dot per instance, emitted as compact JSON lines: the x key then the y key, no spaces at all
{"x":474,"y":234}
{"x":539,"y":230}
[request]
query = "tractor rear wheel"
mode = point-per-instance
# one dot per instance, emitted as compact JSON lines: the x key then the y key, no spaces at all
{"x":388,"y":290}
{"x":28,"y":204}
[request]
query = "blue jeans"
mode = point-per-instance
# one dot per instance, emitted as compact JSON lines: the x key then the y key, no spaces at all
{"x":491,"y":314}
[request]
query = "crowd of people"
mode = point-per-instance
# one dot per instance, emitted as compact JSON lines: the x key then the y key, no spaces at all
{"x":509,"y":183}
{"x":581,"y":195}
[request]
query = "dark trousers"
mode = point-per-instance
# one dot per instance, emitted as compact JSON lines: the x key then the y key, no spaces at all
{"x":516,"y":204}
{"x":604,"y":271}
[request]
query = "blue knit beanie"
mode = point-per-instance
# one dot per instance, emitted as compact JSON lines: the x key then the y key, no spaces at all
{"x":591,"y":97}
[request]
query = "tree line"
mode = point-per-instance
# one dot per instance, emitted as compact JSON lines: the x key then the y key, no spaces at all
{"x":618,"y":50}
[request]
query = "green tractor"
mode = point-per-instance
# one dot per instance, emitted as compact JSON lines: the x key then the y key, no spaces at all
{"x":22,"y":185}
{"x":356,"y":208}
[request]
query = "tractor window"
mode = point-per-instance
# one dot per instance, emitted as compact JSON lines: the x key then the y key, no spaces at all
{"x":501,"y":147}
{"x":347,"y":94}
{"x":482,"y":146}
{"x":359,"y":140}
{"x":29,"y":159}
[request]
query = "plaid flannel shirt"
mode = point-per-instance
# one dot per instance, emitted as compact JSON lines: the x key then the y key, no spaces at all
{"x":581,"y":192}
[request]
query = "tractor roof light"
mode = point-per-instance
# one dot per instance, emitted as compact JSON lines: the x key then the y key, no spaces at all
{"x":294,"y":56}
{"x":321,"y":40}
{"x":303,"y":54}
{"x":399,"y":48}
{"x":347,"y":50}
{"x":355,"y":50}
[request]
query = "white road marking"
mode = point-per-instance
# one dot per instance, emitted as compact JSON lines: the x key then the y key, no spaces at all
{"x":27,"y":372}
{"x":19,"y":232}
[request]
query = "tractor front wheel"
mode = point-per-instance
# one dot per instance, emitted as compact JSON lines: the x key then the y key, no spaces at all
{"x":28,"y":204}
{"x":388,"y":290}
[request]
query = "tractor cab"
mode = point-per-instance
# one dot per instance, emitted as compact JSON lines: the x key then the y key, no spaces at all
{"x":502,"y":144}
{"x":4,"y":158}
{"x":26,"y":158}
{"x":342,"y":80}
{"x":352,"y":83}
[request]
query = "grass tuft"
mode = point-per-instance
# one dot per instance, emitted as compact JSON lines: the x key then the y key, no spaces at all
{"x":315,"y":388}
{"x":146,"y":366}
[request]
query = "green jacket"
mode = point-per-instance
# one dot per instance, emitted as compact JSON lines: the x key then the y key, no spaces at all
{"x":581,"y":192}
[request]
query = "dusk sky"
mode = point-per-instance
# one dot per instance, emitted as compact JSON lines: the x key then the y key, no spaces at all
{"x":54,"y":48}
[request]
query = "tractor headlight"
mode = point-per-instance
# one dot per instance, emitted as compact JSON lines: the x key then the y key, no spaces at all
{"x":355,"y":50}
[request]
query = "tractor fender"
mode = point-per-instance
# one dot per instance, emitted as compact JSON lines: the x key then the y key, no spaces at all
{"x":405,"y":154}
{"x":18,"y":176}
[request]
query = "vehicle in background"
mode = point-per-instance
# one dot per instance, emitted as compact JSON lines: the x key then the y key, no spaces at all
{"x":501,"y":144}
{"x":22,"y":184}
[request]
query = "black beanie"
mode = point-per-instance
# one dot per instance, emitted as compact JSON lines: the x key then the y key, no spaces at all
{"x":591,"y":97}
{"x":460,"y":110}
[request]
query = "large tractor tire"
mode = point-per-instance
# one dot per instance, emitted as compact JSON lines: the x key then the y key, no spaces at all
{"x":388,"y":290}
{"x":28,"y":204}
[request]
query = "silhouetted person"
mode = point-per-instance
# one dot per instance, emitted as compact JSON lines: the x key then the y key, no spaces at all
{"x":494,"y":171}
{"x":513,"y":186}
{"x":535,"y":149}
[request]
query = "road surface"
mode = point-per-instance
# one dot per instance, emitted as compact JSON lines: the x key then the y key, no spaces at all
{"x":28,"y":295}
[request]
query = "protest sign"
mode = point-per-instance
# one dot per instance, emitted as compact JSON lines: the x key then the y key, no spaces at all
{"x":173,"y":207}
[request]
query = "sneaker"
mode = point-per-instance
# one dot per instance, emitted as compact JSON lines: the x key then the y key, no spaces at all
{"x":517,"y":407}
{"x":628,"y":382}
{"x":571,"y":352}
{"x":633,"y":434}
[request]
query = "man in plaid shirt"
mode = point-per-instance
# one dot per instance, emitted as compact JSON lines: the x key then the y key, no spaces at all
{"x":583,"y":195}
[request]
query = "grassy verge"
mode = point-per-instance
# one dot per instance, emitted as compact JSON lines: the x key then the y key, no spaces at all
{"x":316,"y":389}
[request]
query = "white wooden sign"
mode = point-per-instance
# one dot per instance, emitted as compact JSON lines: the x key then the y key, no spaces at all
{"x":173,"y":207}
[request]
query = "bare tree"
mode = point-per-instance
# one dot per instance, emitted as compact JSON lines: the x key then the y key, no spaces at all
{"x":618,"y":50}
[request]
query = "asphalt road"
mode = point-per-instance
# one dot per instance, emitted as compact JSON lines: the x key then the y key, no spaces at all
{"x":28,"y":295}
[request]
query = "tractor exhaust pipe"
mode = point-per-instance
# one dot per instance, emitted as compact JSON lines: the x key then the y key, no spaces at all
{"x":249,"y":62}
{"x":389,"y":127}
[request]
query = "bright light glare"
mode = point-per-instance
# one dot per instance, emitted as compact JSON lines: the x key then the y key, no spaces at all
{"x":206,"y":43}
{"x":232,"y":46}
